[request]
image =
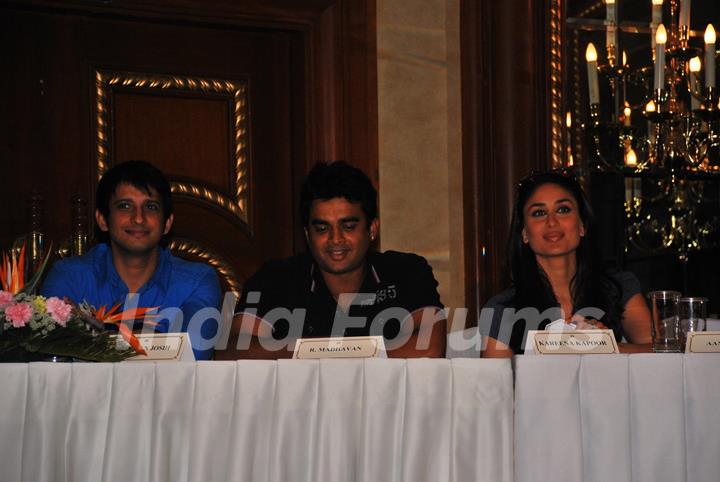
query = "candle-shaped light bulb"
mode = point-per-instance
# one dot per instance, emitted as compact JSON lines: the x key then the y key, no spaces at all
{"x":568,"y":134}
{"x":568,"y":124}
{"x":695,"y":64}
{"x":591,"y":53}
{"x":627,"y":113}
{"x":710,"y":56}
{"x":695,"y":67}
{"x":660,"y":39}
{"x":624,"y":59}
{"x":593,"y":89}
{"x":656,"y":19}
{"x":630,"y":158}
{"x":710,"y":34}
{"x":650,"y":106}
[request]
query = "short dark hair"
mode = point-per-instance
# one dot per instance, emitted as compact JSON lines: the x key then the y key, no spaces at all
{"x":141,"y":175}
{"x":328,"y":180}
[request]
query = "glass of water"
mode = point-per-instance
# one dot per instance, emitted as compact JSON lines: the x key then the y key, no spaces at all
{"x":692,"y":312}
{"x":665,"y":321}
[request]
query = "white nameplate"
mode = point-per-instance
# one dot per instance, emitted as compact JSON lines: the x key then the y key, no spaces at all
{"x":164,"y":347}
{"x":575,"y":342}
{"x":347,"y":347}
{"x":703,"y":342}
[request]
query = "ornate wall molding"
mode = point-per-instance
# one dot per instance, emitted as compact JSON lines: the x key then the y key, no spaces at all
{"x":236,"y":92}
{"x":188,"y":248}
{"x":556,"y":76}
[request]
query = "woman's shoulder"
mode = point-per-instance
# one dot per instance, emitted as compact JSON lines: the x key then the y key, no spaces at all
{"x":626,"y":279}
{"x":629,"y":284}
{"x":623,"y":277}
{"x":501,"y":299}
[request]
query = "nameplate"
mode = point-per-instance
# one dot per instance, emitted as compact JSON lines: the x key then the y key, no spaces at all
{"x":576,"y":342}
{"x":703,"y":342}
{"x":347,"y":347}
{"x":164,"y":347}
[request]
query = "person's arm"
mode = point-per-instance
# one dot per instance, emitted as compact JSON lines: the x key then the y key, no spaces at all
{"x":636,"y":321}
{"x":427,"y":324}
{"x":427,"y":338}
{"x":205,"y":295}
{"x":492,"y":346}
{"x":251,"y":338}
{"x":496,"y":349}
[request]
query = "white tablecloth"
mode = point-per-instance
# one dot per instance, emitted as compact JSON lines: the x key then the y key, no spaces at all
{"x":620,"y":418}
{"x":338,"y":420}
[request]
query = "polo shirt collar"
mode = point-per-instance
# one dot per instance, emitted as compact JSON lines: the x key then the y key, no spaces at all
{"x":372,"y":279}
{"x":107,"y":272}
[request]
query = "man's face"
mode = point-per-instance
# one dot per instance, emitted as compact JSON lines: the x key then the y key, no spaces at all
{"x":136,"y":222}
{"x":339,"y":236}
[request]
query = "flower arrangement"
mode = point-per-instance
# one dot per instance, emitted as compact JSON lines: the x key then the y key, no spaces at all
{"x":33,"y":327}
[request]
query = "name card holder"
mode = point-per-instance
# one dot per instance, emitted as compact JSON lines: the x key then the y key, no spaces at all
{"x":164,"y":347}
{"x":576,"y":342}
{"x":347,"y":347}
{"x":703,"y":342}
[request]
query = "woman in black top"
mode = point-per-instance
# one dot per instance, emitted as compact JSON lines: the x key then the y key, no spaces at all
{"x":554,"y":265}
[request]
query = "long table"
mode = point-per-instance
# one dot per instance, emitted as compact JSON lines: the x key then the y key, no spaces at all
{"x":643,"y":417}
{"x":620,"y":418}
{"x":330,"y":420}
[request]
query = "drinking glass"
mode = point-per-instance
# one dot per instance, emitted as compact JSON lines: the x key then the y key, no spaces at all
{"x":692,"y":312}
{"x":665,"y":333}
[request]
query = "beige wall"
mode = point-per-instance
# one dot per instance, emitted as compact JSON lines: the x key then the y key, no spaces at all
{"x":420,"y":136}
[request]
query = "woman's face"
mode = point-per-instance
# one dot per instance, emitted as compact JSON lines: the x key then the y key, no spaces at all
{"x":552,"y":222}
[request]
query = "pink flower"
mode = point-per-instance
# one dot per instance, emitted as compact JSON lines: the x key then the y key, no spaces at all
{"x":6,"y":299}
{"x":19,"y":314}
{"x":58,"y":309}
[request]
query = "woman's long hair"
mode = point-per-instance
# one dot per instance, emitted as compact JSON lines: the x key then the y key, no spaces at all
{"x":590,"y":287}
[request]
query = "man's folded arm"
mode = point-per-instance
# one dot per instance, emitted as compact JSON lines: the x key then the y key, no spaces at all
{"x":201,"y":329}
{"x":427,"y":337}
{"x":251,"y":337}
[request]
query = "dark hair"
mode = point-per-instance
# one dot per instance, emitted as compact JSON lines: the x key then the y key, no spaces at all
{"x":140,"y":174}
{"x":328,"y":180}
{"x":591,"y":286}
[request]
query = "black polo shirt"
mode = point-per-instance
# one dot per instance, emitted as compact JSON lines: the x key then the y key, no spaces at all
{"x":395,"y":285}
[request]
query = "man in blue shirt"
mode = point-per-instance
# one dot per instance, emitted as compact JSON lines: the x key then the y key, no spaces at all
{"x":134,"y":213}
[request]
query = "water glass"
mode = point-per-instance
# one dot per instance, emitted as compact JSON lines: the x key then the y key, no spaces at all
{"x":665,"y":321}
{"x":692,"y":313}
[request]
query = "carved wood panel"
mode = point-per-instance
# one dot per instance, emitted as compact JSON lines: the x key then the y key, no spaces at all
{"x":195,"y":129}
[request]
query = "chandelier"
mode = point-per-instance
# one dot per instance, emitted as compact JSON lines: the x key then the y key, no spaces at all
{"x":658,"y":126}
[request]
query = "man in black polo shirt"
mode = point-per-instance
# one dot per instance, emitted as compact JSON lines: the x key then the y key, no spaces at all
{"x":341,"y":287}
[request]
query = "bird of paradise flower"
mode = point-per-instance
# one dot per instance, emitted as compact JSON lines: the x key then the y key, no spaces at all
{"x":118,"y":318}
{"x":13,"y":272}
{"x":103,"y":316}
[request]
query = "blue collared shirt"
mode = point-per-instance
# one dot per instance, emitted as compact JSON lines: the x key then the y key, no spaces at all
{"x":179,"y":289}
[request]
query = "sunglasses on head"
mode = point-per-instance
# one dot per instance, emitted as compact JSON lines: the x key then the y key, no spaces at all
{"x":536,"y":176}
